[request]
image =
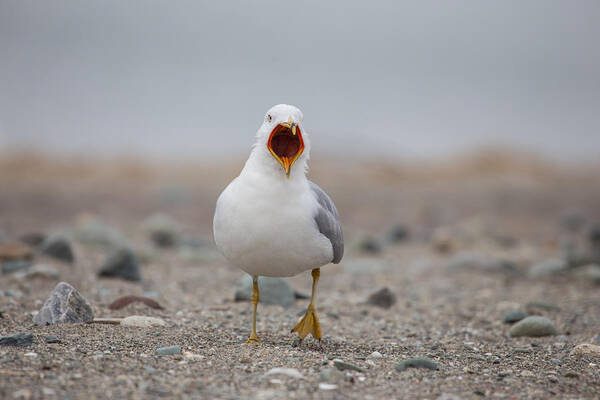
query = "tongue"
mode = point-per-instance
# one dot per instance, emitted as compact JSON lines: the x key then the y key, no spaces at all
{"x":285,"y":146}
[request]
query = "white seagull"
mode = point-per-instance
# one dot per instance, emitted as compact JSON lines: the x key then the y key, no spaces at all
{"x":271,"y":220}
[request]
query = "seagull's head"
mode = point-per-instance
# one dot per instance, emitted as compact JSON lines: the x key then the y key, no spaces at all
{"x":282,"y":135}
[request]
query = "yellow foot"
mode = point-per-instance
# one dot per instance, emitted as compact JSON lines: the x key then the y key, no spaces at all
{"x":309,"y":324}
{"x":253,"y":339}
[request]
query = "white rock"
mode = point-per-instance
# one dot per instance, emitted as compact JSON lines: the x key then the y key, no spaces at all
{"x":140,"y":321}
{"x":291,"y":372}
{"x":376,"y":354}
{"x":586,"y":350}
{"x":327,"y":386}
{"x":31,"y":354}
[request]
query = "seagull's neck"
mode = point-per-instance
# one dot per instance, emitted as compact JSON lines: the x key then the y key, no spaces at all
{"x":261,"y":166}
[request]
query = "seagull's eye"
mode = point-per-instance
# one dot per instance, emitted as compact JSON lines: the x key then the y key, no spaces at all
{"x":269,"y":118}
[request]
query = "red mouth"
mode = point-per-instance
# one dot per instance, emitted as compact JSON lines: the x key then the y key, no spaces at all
{"x":286,"y":146}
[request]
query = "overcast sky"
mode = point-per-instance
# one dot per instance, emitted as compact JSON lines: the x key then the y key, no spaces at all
{"x":385,"y":78}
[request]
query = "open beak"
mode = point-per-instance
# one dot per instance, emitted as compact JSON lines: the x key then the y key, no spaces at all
{"x":286,"y":144}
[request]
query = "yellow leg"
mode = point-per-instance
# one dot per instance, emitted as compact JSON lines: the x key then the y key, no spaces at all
{"x":255,"y":298}
{"x":310,"y":323}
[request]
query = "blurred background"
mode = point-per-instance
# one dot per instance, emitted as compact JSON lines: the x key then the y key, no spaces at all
{"x":399,"y":80}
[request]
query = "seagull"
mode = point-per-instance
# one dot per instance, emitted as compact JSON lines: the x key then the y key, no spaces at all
{"x":272,"y":221}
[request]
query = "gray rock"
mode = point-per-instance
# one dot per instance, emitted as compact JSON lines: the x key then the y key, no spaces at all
{"x":539,"y":305}
{"x":552,"y":266}
{"x":122,"y":264}
{"x":416,"y":363}
{"x":369,"y":245}
{"x":364,"y":266}
{"x":533,"y":326}
{"x":140,"y":321}
{"x":397,"y":234}
{"x":331,"y":375}
{"x":163,"y":231}
{"x":18,"y":339}
{"x":168,"y":351}
{"x":65,"y":305}
{"x":58,"y":247}
{"x":343,"y":366}
{"x":589,"y":273}
{"x":469,"y":260}
{"x":92,"y":231}
{"x":514,"y":316}
{"x":52,"y":339}
{"x":383,"y":298}
{"x":40,"y":271}
{"x":273,"y":291}
{"x":34,"y":239}
{"x":8,"y":267}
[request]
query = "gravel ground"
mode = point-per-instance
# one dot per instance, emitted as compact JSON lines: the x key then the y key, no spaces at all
{"x":473,"y":237}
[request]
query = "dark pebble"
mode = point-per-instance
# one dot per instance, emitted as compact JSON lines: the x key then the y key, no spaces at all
{"x":514,"y":316}
{"x":370,"y":245}
{"x":52,"y":339}
{"x":121,"y":264}
{"x":19,"y":339}
{"x":33,"y":239}
{"x":58,"y":248}
{"x":416,"y":363}
{"x":383,"y":298}
{"x":397,"y":234}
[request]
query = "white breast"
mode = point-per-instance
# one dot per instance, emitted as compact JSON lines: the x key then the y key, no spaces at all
{"x":266,"y":227}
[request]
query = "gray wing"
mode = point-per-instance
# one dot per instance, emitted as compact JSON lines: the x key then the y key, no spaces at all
{"x":327,"y":219}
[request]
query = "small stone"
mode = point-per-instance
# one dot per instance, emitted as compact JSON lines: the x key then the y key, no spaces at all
{"x":40,"y":271}
{"x":586,"y":350}
{"x":139,"y":321}
{"x":533,"y":326}
{"x":376,"y":355}
{"x":168,"y":351}
{"x":468,"y":260}
{"x":571,"y":374}
{"x":397,"y":234}
{"x":52,"y":339}
{"x":163,"y":231}
{"x":91,"y":230}
{"x":553,"y":266}
{"x":291,"y":372}
{"x":18,"y":340}
{"x":331,"y":375}
{"x":533,"y":306}
{"x":64,"y":305}
{"x":555,"y":361}
{"x":342,"y":366}
{"x":369,"y":245}
{"x":33,"y":239}
{"x":8,"y":267}
{"x":31,"y":354}
{"x":122,"y":264}
{"x":124,"y":301}
{"x":589,"y":273}
{"x":514,"y":316}
{"x":327,"y":386}
{"x":596,"y":338}
{"x":59,"y":248}
{"x":416,"y":363}
{"x":273,"y":291}
{"x":383,"y":298}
